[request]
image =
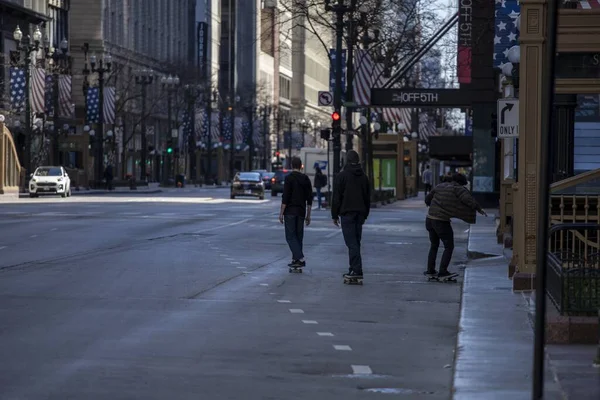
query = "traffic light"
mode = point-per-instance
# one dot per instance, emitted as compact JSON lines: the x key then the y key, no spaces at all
{"x":325,"y":134}
{"x":169,"y":146}
{"x":336,"y":123}
{"x":276,"y":154}
{"x":494,"y":125}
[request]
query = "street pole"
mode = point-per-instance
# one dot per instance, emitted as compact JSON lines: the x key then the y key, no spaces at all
{"x":191,"y":138}
{"x":251,"y":144}
{"x":289,"y":163}
{"x":371,"y":162}
{"x":232,"y":150}
{"x":209,"y":139}
{"x":350,"y":82}
{"x":278,"y":143}
{"x":337,"y":98}
{"x":144,"y":144}
{"x":544,"y":173}
{"x":167,"y":160}
{"x":265,"y":137}
{"x":56,"y":132}
{"x":100,"y":138}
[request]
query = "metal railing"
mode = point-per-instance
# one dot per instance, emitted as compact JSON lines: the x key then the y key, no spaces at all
{"x":10,"y":168}
{"x":573,"y":276}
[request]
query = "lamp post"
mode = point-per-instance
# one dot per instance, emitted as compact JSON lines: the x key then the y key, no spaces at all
{"x":339,"y":9}
{"x":304,"y":127}
{"x":100,"y":67}
{"x":30,"y":45}
{"x":291,"y":121}
{"x":59,"y":63}
{"x":250,"y":112}
{"x":170,"y":85}
{"x":231,"y":109}
{"x":266,"y":112}
{"x":144,"y":78}
{"x":209,"y":147}
{"x":368,"y":150}
{"x":192,"y":92}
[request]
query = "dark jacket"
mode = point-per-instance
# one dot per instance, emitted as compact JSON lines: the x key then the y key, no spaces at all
{"x":351,"y":192}
{"x":451,"y":200}
{"x":319,"y":179}
{"x":297,"y":194}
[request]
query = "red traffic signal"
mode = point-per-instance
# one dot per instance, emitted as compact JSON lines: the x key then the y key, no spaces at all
{"x":335,"y":116}
{"x":276,"y":154}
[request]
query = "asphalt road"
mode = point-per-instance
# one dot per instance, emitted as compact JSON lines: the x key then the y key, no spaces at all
{"x":186,"y":295}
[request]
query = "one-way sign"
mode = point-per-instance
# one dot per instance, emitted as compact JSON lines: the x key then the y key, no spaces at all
{"x":508,"y":118}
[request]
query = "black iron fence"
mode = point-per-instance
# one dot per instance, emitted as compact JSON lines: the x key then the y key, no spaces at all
{"x":573,"y":278}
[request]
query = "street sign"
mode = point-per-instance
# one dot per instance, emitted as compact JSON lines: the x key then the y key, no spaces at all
{"x":325,"y":99}
{"x":410,"y":97}
{"x":508,"y":118}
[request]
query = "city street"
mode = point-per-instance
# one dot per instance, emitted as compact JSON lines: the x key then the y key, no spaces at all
{"x":187,"y":295}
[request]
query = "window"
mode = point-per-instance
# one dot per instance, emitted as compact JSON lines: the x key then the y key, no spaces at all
{"x":285,"y":87}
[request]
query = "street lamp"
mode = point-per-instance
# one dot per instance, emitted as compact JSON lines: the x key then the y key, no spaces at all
{"x":144,"y":77}
{"x":339,"y":9}
{"x":59,"y":63}
{"x":28,"y":47}
{"x":101,"y":67}
{"x":170,"y":84}
{"x":192,"y":93}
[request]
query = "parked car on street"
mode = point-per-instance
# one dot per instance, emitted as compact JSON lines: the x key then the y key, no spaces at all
{"x":49,"y":180}
{"x":277,"y":181}
{"x":266,"y":177}
{"x":248,"y":184}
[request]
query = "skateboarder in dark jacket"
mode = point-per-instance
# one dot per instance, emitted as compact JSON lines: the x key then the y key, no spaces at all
{"x":352,"y":203}
{"x":297,"y":195}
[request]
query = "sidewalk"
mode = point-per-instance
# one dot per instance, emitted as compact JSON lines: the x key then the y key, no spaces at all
{"x":494,"y":356}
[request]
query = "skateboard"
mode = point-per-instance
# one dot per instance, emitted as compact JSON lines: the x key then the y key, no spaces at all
{"x":449,"y":278}
{"x":353,"y":281}
{"x":295,"y":269}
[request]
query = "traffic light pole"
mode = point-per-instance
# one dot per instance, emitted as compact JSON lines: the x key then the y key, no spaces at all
{"x":337,"y":96}
{"x":167,"y":156}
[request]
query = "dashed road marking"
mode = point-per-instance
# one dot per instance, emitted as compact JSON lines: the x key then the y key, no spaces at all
{"x":342,"y":347}
{"x":325,"y":334}
{"x":54,"y":229}
{"x":241,"y":267}
{"x":309,"y":321}
{"x":2,"y":247}
{"x":332,"y":234}
{"x":33,"y":236}
{"x":283,"y":301}
{"x":264,"y":284}
{"x":234,"y":262}
{"x":296,"y":311}
{"x":361,"y":370}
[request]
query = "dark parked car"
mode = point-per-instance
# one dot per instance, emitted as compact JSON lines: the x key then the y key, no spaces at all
{"x":248,"y":184}
{"x":277,"y":181}
{"x":266,"y":178}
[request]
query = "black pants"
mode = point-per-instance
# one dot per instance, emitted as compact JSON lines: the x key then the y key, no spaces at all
{"x":427,"y":188}
{"x":352,"y":230}
{"x":439,"y":230}
{"x":294,"y":235}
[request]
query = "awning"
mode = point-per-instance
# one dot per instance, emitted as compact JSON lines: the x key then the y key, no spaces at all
{"x":22,"y":13}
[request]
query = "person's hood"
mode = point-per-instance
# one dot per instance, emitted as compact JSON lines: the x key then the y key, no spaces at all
{"x":356,"y":169}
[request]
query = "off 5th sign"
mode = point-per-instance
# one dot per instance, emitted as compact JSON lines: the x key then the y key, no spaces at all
{"x":508,"y":118}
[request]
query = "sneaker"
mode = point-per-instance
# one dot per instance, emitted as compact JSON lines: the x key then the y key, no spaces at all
{"x":297,"y":264}
{"x":443,"y":274}
{"x":430,"y":273}
{"x":353,"y":274}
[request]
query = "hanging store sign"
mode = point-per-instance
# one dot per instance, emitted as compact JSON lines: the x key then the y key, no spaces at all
{"x":450,"y":98}
{"x":202,"y":48}
{"x":465,"y":35}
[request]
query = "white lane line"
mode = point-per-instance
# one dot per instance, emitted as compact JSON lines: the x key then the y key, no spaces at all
{"x":241,"y":267}
{"x":361,"y":370}
{"x":223,"y":226}
{"x":33,"y":236}
{"x":166,"y":214}
{"x":54,"y":229}
{"x":230,"y":259}
{"x":283,"y":301}
{"x":332,"y":234}
{"x":234,"y":262}
{"x":325,"y":334}
{"x":272,"y":293}
{"x":296,"y":311}
{"x":342,"y":347}
{"x":264,"y":284}
{"x":2,"y":247}
{"x":309,"y":321}
{"x":131,"y":213}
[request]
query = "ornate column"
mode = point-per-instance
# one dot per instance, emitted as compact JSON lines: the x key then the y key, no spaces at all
{"x":563,"y":131}
{"x":533,"y":16}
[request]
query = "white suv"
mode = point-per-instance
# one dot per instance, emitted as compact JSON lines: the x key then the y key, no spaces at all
{"x":50,"y":180}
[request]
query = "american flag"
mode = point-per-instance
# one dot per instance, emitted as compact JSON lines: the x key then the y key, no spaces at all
{"x":200,"y":125}
{"x":64,"y":97}
{"x":332,"y":56}
{"x":93,"y":109}
{"x":38,"y":90}
{"x":246,"y":131}
{"x":186,"y":126}
{"x":92,"y":100}
{"x":506,"y":32}
{"x":258,"y":134}
{"x":109,"y":105}
{"x":214,"y":128}
{"x":587,"y":5}
{"x":226,"y":134}
{"x":49,"y":93}
{"x":239,"y":135}
{"x":17,"y":88}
